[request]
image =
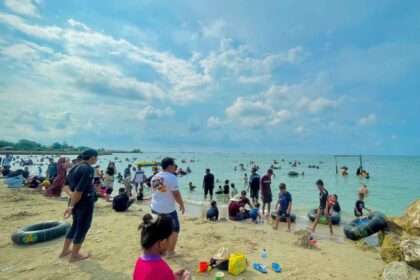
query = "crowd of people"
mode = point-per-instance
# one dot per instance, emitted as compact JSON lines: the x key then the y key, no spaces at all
{"x":84,"y":182}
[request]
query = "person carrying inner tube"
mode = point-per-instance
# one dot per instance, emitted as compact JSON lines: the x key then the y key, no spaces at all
{"x":359,"y":206}
{"x":324,"y":206}
{"x":81,"y":205}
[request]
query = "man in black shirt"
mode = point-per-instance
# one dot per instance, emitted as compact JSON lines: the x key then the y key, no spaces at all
{"x":208,"y":184}
{"x":80,"y":180}
{"x":323,"y":206}
{"x":121,"y":202}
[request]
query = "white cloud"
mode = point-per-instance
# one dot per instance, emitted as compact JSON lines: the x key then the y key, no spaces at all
{"x":43,"y":32}
{"x":214,"y":122}
{"x":182,"y":76}
{"x":76,"y":24}
{"x":369,"y":120}
{"x":300,"y":129}
{"x":280,"y":117}
{"x":25,"y":50}
{"x":214,"y":29}
{"x":151,"y":113}
{"x":320,"y":104}
{"x":297,"y":55}
{"x":251,"y":114}
{"x":23,"y":7}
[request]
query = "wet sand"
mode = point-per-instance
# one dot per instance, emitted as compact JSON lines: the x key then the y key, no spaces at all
{"x":114,"y":242}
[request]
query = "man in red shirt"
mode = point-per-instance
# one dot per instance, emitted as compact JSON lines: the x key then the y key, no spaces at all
{"x":266,"y":194}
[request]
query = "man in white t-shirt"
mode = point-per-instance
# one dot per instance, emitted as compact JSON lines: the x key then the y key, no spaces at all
{"x":165,"y":196}
{"x":139,"y":178}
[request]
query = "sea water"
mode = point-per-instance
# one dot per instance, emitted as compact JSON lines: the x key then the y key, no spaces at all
{"x":394,"y":180}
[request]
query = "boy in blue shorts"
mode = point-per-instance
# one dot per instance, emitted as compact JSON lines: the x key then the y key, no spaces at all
{"x":284,"y":205}
{"x":255,"y":213}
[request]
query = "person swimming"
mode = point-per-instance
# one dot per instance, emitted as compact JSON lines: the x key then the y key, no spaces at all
{"x":363,"y":189}
{"x":191,"y":187}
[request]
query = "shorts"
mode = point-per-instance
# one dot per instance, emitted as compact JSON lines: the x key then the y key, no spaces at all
{"x":255,"y":193}
{"x":267,"y":198}
{"x":108,"y":183}
{"x":225,"y":192}
{"x":360,"y":214}
{"x":282,"y":212}
{"x":174,"y":216}
{"x":208,"y":189}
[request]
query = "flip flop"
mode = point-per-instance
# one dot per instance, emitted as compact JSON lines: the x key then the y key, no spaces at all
{"x":259,"y":267}
{"x":276,"y":267}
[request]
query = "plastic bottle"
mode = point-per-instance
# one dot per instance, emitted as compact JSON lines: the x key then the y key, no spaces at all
{"x":264,"y":258}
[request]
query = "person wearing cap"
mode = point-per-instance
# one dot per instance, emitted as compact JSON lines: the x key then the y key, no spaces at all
{"x":254,"y":185}
{"x":266,"y":195}
{"x":80,"y":180}
{"x":235,"y":211}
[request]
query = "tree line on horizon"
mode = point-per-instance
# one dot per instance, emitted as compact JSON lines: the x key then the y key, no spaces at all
{"x":29,"y":145}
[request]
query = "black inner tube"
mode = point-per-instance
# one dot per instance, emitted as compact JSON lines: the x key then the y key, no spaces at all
{"x":358,"y":229}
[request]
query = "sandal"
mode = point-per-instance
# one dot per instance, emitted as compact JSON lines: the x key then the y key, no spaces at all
{"x":259,"y":267}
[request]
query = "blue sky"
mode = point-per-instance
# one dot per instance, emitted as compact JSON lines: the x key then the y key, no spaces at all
{"x":243,"y":76}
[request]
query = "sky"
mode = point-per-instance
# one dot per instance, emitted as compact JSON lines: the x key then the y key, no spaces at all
{"x":291,"y":77}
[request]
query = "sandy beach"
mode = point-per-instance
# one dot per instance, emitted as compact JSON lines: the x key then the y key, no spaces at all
{"x":114,"y":242}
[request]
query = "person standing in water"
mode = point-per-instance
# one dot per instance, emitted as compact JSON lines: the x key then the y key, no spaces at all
{"x":246,"y":180}
{"x":254,"y":185}
{"x":81,"y":205}
{"x":208,"y":184}
{"x":165,"y":194}
{"x":324,"y":206}
{"x":266,"y":195}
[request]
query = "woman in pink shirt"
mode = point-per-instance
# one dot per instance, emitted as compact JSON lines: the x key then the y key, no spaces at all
{"x":155,"y":233}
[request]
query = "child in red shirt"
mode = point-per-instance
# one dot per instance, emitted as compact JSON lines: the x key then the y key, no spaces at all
{"x":155,"y":233}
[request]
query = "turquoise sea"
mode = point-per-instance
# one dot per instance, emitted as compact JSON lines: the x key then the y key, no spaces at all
{"x":394,"y":180}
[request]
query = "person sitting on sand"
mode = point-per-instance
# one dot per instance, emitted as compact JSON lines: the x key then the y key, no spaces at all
{"x":334,"y":205}
{"x":236,"y":212}
{"x":234,"y":190}
{"x":226,"y":191}
{"x":323,"y":206}
{"x":191,"y":187}
{"x":213,"y":212}
{"x":45,"y":184}
{"x":33,"y":182}
{"x":363,"y":189}
{"x":122,"y":202}
{"x":284,"y":205}
{"x":245,"y":200}
{"x":155,"y":241}
{"x":255,"y":213}
{"x":359,"y":206}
